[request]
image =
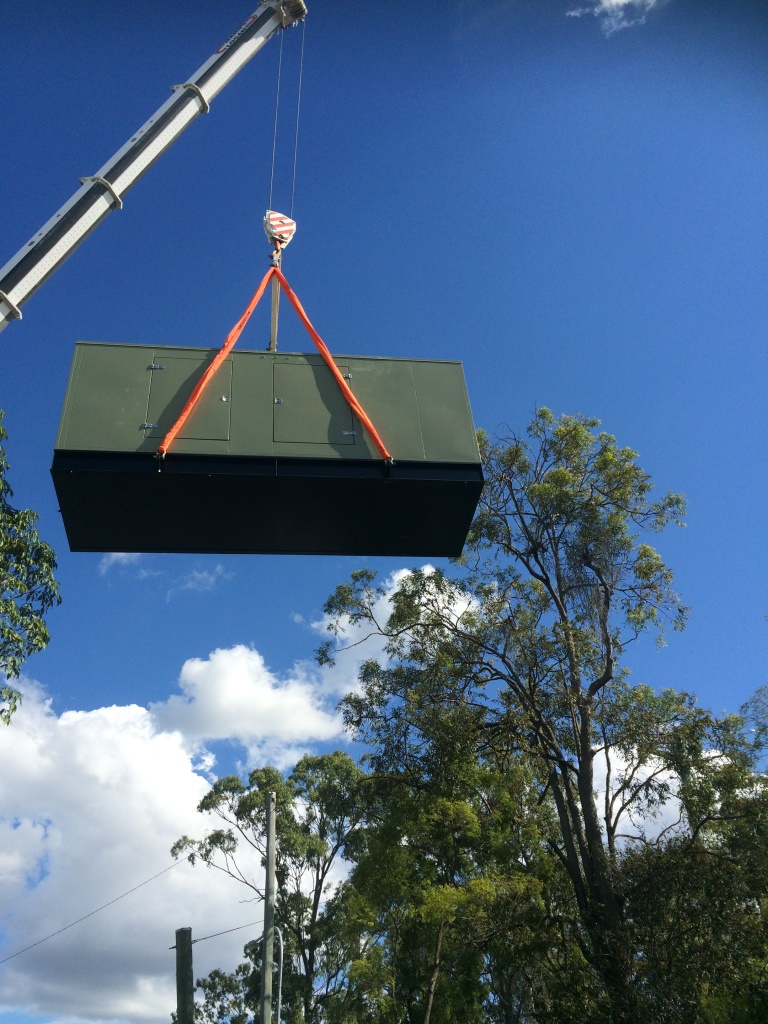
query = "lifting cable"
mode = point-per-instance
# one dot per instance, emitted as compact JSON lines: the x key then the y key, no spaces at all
{"x":234,"y":334}
{"x":274,"y":132}
{"x":279,"y":238}
{"x":298,"y":113}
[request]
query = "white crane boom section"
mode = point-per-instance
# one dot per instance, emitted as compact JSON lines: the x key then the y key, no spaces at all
{"x":103,"y":192}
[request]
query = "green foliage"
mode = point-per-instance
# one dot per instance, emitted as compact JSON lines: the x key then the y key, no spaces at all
{"x":525,"y":648}
{"x":695,"y":906}
{"x":318,"y":810}
{"x":27,"y":588}
{"x":227,"y":998}
{"x":534,"y":840}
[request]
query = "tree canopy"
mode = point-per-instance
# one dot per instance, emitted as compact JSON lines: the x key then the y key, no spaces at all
{"x":27,"y":588}
{"x":536,"y":838}
{"x":318,"y":809}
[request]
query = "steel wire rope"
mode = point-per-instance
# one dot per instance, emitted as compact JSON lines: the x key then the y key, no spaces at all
{"x":274,"y":133}
{"x":298,"y":112}
{"x":96,"y":911}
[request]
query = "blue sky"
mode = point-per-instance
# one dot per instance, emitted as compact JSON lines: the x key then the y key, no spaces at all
{"x":575,"y":206}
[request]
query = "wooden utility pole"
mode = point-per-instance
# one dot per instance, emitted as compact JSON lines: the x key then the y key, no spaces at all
{"x":269,"y":916}
{"x":185,"y":979}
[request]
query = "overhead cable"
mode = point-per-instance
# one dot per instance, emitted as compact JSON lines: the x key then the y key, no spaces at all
{"x":86,"y":916}
{"x":251,"y":924}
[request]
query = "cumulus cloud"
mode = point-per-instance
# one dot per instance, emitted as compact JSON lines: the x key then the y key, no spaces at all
{"x":92,"y":801}
{"x":356,"y":644}
{"x":120,"y":558}
{"x":615,"y":15}
{"x":90,"y":805}
{"x":233,"y":695}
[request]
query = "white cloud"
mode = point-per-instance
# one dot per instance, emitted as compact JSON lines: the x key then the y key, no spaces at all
{"x":121,"y":558}
{"x":646,"y":820}
{"x":200,"y":580}
{"x":89,"y":807}
{"x":147,"y":574}
{"x":615,"y":15}
{"x":233,"y":695}
{"x":356,"y":643}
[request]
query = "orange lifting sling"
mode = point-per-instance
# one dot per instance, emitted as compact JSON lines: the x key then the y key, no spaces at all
{"x":232,"y":337}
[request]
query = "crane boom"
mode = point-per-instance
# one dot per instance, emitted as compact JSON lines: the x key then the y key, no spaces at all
{"x":103,"y":192}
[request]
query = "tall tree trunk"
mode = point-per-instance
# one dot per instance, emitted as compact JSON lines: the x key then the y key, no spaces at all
{"x":589,"y":867}
{"x":608,"y":932}
{"x":616,"y":971}
{"x":435,"y":973}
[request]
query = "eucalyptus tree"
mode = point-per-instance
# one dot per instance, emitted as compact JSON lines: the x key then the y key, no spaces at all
{"x":559,"y":579}
{"x":695,"y":897}
{"x":533,"y":839}
{"x":28,"y":588}
{"x":318,"y":810}
{"x":449,"y":866}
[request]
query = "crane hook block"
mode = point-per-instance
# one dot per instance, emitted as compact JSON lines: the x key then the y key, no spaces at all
{"x":292,"y":11}
{"x":279,"y":229}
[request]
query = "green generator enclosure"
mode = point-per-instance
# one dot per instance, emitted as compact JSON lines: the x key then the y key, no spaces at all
{"x":272,"y":459}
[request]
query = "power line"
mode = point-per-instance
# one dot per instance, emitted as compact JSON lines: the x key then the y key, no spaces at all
{"x":215,"y":935}
{"x":86,"y":916}
{"x":239,"y":928}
